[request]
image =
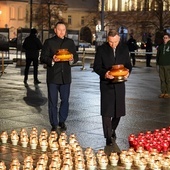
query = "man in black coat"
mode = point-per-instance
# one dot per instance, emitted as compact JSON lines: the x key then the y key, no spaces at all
{"x":32,"y":45}
{"x":112,"y":93}
{"x":149,"y":47}
{"x":58,"y":75}
{"x":132,"y":47}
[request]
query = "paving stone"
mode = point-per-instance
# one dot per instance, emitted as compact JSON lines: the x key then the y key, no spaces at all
{"x":22,"y":107}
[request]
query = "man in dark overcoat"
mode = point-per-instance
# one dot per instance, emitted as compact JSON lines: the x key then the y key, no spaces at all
{"x":113,"y":52}
{"x":149,"y":50}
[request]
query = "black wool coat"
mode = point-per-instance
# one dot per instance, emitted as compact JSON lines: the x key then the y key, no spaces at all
{"x":112,"y":94}
{"x":60,"y":72}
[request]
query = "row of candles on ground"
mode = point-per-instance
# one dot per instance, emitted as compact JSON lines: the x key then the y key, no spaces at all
{"x":66,"y":153}
{"x":158,"y":139}
{"x":69,"y":158}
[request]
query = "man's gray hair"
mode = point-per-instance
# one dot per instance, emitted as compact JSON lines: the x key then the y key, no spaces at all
{"x":113,"y":33}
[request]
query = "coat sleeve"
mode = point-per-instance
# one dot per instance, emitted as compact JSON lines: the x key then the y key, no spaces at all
{"x":158,"y":55}
{"x":73,"y":51}
{"x":39,"y":44}
{"x":46,"y":55}
{"x":24,"y":45}
{"x":98,"y":66}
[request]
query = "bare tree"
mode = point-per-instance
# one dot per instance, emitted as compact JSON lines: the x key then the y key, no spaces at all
{"x":158,"y":18}
{"x":47,"y":12}
{"x":158,"y":15}
{"x":143,"y":19}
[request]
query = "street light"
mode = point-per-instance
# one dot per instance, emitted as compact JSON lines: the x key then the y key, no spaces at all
{"x":0,"y":14}
{"x":102,"y":16}
{"x":30,"y":14}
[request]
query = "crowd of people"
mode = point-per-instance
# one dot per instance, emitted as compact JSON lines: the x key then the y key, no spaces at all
{"x":133,"y":49}
{"x":112,"y":52}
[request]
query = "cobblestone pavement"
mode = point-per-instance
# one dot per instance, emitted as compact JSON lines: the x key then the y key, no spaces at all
{"x":22,"y":107}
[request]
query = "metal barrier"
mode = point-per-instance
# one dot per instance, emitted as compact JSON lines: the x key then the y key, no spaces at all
{"x":84,"y":57}
{"x":4,"y":60}
{"x":143,"y":53}
{"x":86,"y":52}
{"x":2,"y":63}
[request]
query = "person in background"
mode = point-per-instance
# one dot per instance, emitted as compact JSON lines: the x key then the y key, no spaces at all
{"x":58,"y":75}
{"x":163,"y":61}
{"x":148,"y":52}
{"x":32,"y":46}
{"x":132,"y":47}
{"x":111,"y":53}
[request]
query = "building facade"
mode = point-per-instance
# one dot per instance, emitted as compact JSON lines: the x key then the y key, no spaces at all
{"x":138,"y":17}
{"x":135,"y":5}
{"x":142,"y":18}
{"x":15,"y":14}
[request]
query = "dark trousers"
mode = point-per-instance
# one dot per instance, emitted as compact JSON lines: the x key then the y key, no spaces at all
{"x":133,"y":56}
{"x":148,"y":60}
{"x":109,"y":125}
{"x":28,"y":64}
{"x":164,"y":74}
{"x":64,"y":92}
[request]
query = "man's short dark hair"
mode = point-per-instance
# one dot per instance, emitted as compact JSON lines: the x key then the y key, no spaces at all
{"x":60,"y":22}
{"x":113,"y":33}
{"x":33,"y":31}
{"x":167,"y":34}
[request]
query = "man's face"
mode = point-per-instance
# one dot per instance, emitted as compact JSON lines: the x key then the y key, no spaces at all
{"x":60,"y":30}
{"x":166,"y":39}
{"x":113,"y":41}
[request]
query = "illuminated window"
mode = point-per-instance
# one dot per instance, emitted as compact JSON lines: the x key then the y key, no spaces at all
{"x":12,"y":13}
{"x":167,"y":6}
{"x":60,"y":13}
{"x":69,"y":19}
{"x":20,"y":13}
{"x":110,"y":5}
{"x":82,"y":20}
{"x":100,"y":4}
{"x":154,"y":5}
